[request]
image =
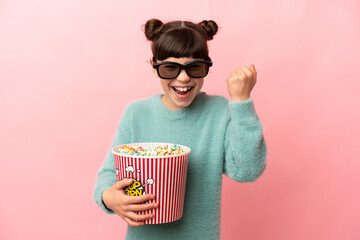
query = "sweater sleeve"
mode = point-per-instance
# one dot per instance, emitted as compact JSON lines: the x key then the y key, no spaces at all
{"x":106,"y":176}
{"x":245,"y":148}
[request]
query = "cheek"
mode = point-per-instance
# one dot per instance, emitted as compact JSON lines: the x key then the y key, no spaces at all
{"x":200,"y":83}
{"x":164,"y":84}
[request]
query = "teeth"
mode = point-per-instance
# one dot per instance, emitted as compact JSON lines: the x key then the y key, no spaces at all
{"x":182,"y":89}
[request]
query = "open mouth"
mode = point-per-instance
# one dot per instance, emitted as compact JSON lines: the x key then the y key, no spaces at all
{"x":182,"y":92}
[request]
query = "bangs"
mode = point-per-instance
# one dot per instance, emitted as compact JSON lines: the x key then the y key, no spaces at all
{"x":181,"y":42}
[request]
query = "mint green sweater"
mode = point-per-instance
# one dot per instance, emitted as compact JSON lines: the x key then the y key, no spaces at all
{"x":225,"y":137}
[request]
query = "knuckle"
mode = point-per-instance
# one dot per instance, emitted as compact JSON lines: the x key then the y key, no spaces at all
{"x":147,"y":198}
{"x":143,"y":198}
{"x":124,"y":208}
{"x":125,"y":201}
{"x":146,"y":217}
{"x":149,"y":206}
{"x":133,"y":224}
{"x":138,"y":199}
{"x":232,"y":79}
{"x":129,"y":222}
{"x":138,"y":217}
{"x":122,"y":200}
{"x":144,"y":207}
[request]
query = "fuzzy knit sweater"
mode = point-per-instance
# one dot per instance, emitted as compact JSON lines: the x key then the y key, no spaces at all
{"x":224,"y":137}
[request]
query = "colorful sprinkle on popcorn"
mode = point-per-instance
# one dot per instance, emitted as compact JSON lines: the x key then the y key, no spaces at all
{"x":165,"y":150}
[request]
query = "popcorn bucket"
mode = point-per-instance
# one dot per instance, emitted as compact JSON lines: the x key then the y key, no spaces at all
{"x":162,"y":176}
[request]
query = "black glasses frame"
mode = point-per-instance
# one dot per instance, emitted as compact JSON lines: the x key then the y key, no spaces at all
{"x":181,"y":67}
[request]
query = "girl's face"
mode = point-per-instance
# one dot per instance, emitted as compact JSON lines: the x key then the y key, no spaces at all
{"x":182,"y":90}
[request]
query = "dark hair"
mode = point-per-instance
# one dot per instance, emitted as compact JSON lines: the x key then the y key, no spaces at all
{"x":180,"y":38}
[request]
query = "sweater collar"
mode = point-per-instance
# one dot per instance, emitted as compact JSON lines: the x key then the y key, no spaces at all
{"x":163,"y":111}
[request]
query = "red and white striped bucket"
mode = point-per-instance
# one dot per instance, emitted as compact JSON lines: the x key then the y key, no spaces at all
{"x":162,"y":176}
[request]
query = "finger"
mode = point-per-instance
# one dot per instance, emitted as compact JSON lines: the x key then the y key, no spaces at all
{"x":240,"y":73}
{"x":140,"y":199}
{"x":253,"y":70}
{"x":124,"y":183}
{"x":247,"y":71}
{"x":232,"y":74}
{"x":143,"y":207}
{"x":138,"y":217}
{"x":230,"y":79}
{"x":252,"y":67}
{"x":133,"y":223}
{"x":235,"y":74}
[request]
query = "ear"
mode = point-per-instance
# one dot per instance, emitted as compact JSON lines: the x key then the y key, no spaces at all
{"x":153,"y":69}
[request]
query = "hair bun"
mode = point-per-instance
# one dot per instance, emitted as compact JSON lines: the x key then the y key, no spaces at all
{"x":210,"y":27}
{"x":153,"y":28}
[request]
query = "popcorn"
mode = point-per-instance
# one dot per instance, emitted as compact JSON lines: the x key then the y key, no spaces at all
{"x":165,"y":150}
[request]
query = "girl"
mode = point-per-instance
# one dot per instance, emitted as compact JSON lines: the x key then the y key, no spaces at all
{"x":224,"y":136}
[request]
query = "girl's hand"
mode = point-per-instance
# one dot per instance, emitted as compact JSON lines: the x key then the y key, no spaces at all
{"x":125,"y":206}
{"x":241,"y":82}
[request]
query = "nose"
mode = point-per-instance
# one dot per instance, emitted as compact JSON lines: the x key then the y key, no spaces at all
{"x":183,"y":76}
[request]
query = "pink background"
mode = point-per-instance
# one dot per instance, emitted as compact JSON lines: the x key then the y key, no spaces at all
{"x":68,"y":69}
